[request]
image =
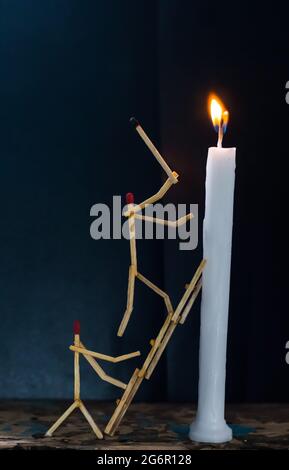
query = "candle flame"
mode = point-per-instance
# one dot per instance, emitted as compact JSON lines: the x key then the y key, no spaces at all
{"x":219,"y":115}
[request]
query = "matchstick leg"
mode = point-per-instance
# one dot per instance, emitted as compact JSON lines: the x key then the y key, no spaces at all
{"x":90,"y":420}
{"x":62,"y":418}
{"x":129,"y":305}
{"x":157,"y":290}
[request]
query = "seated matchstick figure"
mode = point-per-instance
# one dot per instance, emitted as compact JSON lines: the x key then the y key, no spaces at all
{"x":79,"y":348}
{"x":132,"y":213}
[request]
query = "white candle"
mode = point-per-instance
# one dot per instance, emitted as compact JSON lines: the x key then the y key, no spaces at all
{"x":210,"y":425}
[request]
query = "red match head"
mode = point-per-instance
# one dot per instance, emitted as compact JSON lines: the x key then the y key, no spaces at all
{"x":76,"y":327}
{"x":129,"y":198}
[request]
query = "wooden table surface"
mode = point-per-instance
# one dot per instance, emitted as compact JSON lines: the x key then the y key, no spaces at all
{"x":154,"y":426}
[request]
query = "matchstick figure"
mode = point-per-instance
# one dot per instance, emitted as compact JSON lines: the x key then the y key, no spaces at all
{"x":79,"y":348}
{"x":132,"y":214}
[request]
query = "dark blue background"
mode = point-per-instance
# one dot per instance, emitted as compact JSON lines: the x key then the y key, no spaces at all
{"x":71,"y":74}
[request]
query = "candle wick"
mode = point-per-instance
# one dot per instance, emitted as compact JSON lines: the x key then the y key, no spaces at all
{"x":220,"y":135}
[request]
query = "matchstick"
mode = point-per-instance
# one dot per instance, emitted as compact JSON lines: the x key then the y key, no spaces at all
{"x":156,"y":344}
{"x":76,"y":330}
{"x":90,"y":420}
{"x":62,"y":418}
{"x":169,"y":223}
{"x":153,"y":149}
{"x":126,"y":404}
{"x":157,"y":196}
{"x":123,"y":403}
{"x":133,"y":266}
{"x":100,"y":372}
{"x":131,"y":224}
{"x":191,"y":301}
{"x":104,"y":357}
{"x":130,"y":298}
{"x":189,"y":290}
{"x":157,"y":290}
{"x":161,"y":349}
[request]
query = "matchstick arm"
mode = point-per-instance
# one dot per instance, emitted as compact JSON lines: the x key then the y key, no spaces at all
{"x":100,"y":372}
{"x":152,"y":199}
{"x":169,"y":223}
{"x":104,"y":357}
{"x":172,"y":176}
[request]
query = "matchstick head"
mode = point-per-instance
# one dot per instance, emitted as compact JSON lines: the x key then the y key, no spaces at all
{"x":134,"y":122}
{"x":76,"y":327}
{"x":129,"y":198}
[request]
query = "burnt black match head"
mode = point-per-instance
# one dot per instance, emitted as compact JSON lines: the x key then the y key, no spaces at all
{"x":134,"y":122}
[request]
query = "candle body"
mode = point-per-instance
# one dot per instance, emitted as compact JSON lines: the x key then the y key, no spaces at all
{"x":210,"y":425}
